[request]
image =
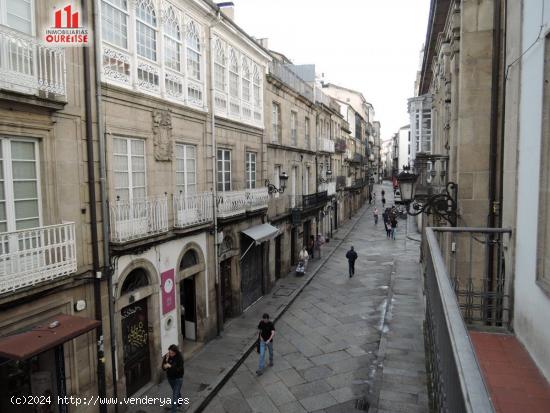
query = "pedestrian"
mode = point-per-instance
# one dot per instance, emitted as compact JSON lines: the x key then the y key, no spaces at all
{"x":319,"y":242}
{"x":375,"y":213}
{"x":266,"y":331}
{"x":393,"y":224}
{"x":311,"y":246}
{"x":172,"y":364}
{"x":304,"y":257}
{"x":374,"y":198}
{"x":383,"y":201}
{"x":351,"y":255}
{"x":383,"y":193}
{"x":370,"y":198}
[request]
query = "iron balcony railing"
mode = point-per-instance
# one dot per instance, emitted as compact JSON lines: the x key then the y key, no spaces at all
{"x":138,"y":218}
{"x":340,"y":145}
{"x":231,"y":203}
{"x":466,"y":289}
{"x":291,"y":79}
{"x":30,"y":67}
{"x":31,"y":256}
{"x":340,"y":181}
{"x":326,"y":145}
{"x":314,"y":200}
{"x":193,"y":209}
{"x":257,"y":198}
{"x":357,"y":158}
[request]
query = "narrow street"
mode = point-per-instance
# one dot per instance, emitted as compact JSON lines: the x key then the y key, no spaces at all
{"x":345,"y":344}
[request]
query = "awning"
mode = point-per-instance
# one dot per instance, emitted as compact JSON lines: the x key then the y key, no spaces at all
{"x":45,"y":336}
{"x":261,"y":233}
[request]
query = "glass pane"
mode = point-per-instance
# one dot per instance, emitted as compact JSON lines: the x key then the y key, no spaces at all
{"x":192,"y":189}
{"x":3,"y":227}
{"x":2,"y":211}
{"x":180,"y":164}
{"x":1,"y":168}
{"x":19,"y":15}
{"x":23,"y":190}
{"x":191,"y":165}
{"x":120,"y":163}
{"x":227,"y":176}
{"x":27,"y":223}
{"x":26,"y":209}
{"x":138,"y":147}
{"x":138,"y":179}
{"x":24,"y":170}
{"x":180,"y":178}
{"x":120,"y":145}
{"x":22,"y":150}
{"x":139,"y":193}
{"x":121,"y":180}
{"x":179,"y":150}
{"x":2,"y":194}
{"x":220,"y":176}
{"x":190,"y":152}
{"x":228,"y":186}
{"x":138,"y":163}
{"x":191,"y":178}
{"x":122,"y":194}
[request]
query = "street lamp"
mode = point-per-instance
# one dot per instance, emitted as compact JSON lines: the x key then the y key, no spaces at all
{"x":272,"y":189}
{"x":327,"y":179}
{"x":442,"y":205}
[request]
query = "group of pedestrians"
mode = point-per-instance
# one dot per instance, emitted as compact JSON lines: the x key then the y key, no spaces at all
{"x":389,"y":216}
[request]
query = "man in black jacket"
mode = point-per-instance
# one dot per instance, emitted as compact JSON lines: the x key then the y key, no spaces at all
{"x":351,"y":256}
{"x":172,"y":363}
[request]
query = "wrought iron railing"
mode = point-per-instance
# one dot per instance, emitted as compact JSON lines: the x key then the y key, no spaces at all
{"x":326,"y":145}
{"x":29,"y":66}
{"x":192,"y":209}
{"x":231,"y":203}
{"x":340,"y":145}
{"x":460,"y":292}
{"x":313,"y":200}
{"x":257,"y":198}
{"x":340,"y":181}
{"x":138,"y":218}
{"x":31,"y":256}
{"x":291,"y":79}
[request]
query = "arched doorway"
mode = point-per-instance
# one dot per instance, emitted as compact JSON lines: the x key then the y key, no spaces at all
{"x":135,"y":332}
{"x":189,"y":270}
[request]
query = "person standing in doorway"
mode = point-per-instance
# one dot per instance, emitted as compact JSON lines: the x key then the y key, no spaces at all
{"x":266,"y":331}
{"x":172,"y":364}
{"x":351,"y":255}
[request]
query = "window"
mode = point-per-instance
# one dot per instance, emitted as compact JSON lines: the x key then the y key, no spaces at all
{"x":186,"y":169}
{"x":193,"y":51}
{"x":114,"y":22}
{"x":257,"y":87}
{"x":224,"y":170}
{"x":543,"y":218}
{"x":246,"y":80}
{"x":172,"y":41}
{"x":275,"y":122}
{"x":250,"y":170}
{"x":219,"y":66}
{"x":306,"y":181}
{"x":19,"y":185}
{"x":146,"y":30}
{"x":129,"y":168}
{"x":306,"y":137}
{"x":18,"y":15}
{"x":233,"y":75}
{"x":293,"y":128}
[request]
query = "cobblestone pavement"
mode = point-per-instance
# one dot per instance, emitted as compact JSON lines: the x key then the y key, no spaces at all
{"x":345,"y":344}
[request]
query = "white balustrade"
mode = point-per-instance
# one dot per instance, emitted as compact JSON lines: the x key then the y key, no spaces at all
{"x":28,"y":66}
{"x":331,"y":188}
{"x":31,"y":256}
{"x":231,"y":203}
{"x":193,"y":209}
{"x":138,"y":218}
{"x":257,"y":198}
{"x":327,"y":145}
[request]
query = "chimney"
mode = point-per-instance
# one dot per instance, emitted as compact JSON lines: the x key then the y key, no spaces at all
{"x":263,"y":42}
{"x":228,"y":8}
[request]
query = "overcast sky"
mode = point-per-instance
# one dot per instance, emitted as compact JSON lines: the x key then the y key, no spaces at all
{"x":369,"y":45}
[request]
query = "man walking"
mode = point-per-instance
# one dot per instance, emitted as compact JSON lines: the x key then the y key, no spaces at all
{"x":172,"y":363}
{"x":351,"y":256}
{"x":266,"y":331}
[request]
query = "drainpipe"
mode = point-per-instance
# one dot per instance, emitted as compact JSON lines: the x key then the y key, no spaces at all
{"x":93,"y":220}
{"x":104,"y":199}
{"x":495,"y":77}
{"x":219,"y":308}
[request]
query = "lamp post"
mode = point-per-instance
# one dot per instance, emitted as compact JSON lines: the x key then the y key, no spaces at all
{"x":442,"y":205}
{"x":327,"y":179}
{"x":272,"y":189}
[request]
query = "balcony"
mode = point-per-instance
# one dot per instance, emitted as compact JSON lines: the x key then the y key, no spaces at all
{"x":331,"y":188}
{"x":30,"y":67}
{"x":138,"y":218}
{"x":465,"y":293}
{"x":340,"y":182}
{"x":320,"y":97}
{"x":285,"y":75}
{"x":340,"y":145}
{"x":231,"y":203}
{"x":194,"y":209}
{"x":326,"y":145}
{"x":357,"y":158}
{"x":32,"y":256}
{"x":348,"y":154}
{"x":257,"y":199}
{"x":314,"y":200}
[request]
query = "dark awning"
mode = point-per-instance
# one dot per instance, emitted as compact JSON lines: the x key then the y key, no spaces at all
{"x":45,"y":336}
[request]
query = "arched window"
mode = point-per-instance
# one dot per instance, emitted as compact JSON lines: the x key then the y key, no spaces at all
{"x":114,"y":22}
{"x":190,"y":259}
{"x":135,"y":280}
{"x":146,"y":30}
{"x":193,"y":43}
{"x":246,"y":80}
{"x":172,"y":41}
{"x":233,"y":74}
{"x":219,"y":65}
{"x":257,"y":86}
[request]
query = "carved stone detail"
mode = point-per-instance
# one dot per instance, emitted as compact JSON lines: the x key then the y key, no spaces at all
{"x":162,"y":135}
